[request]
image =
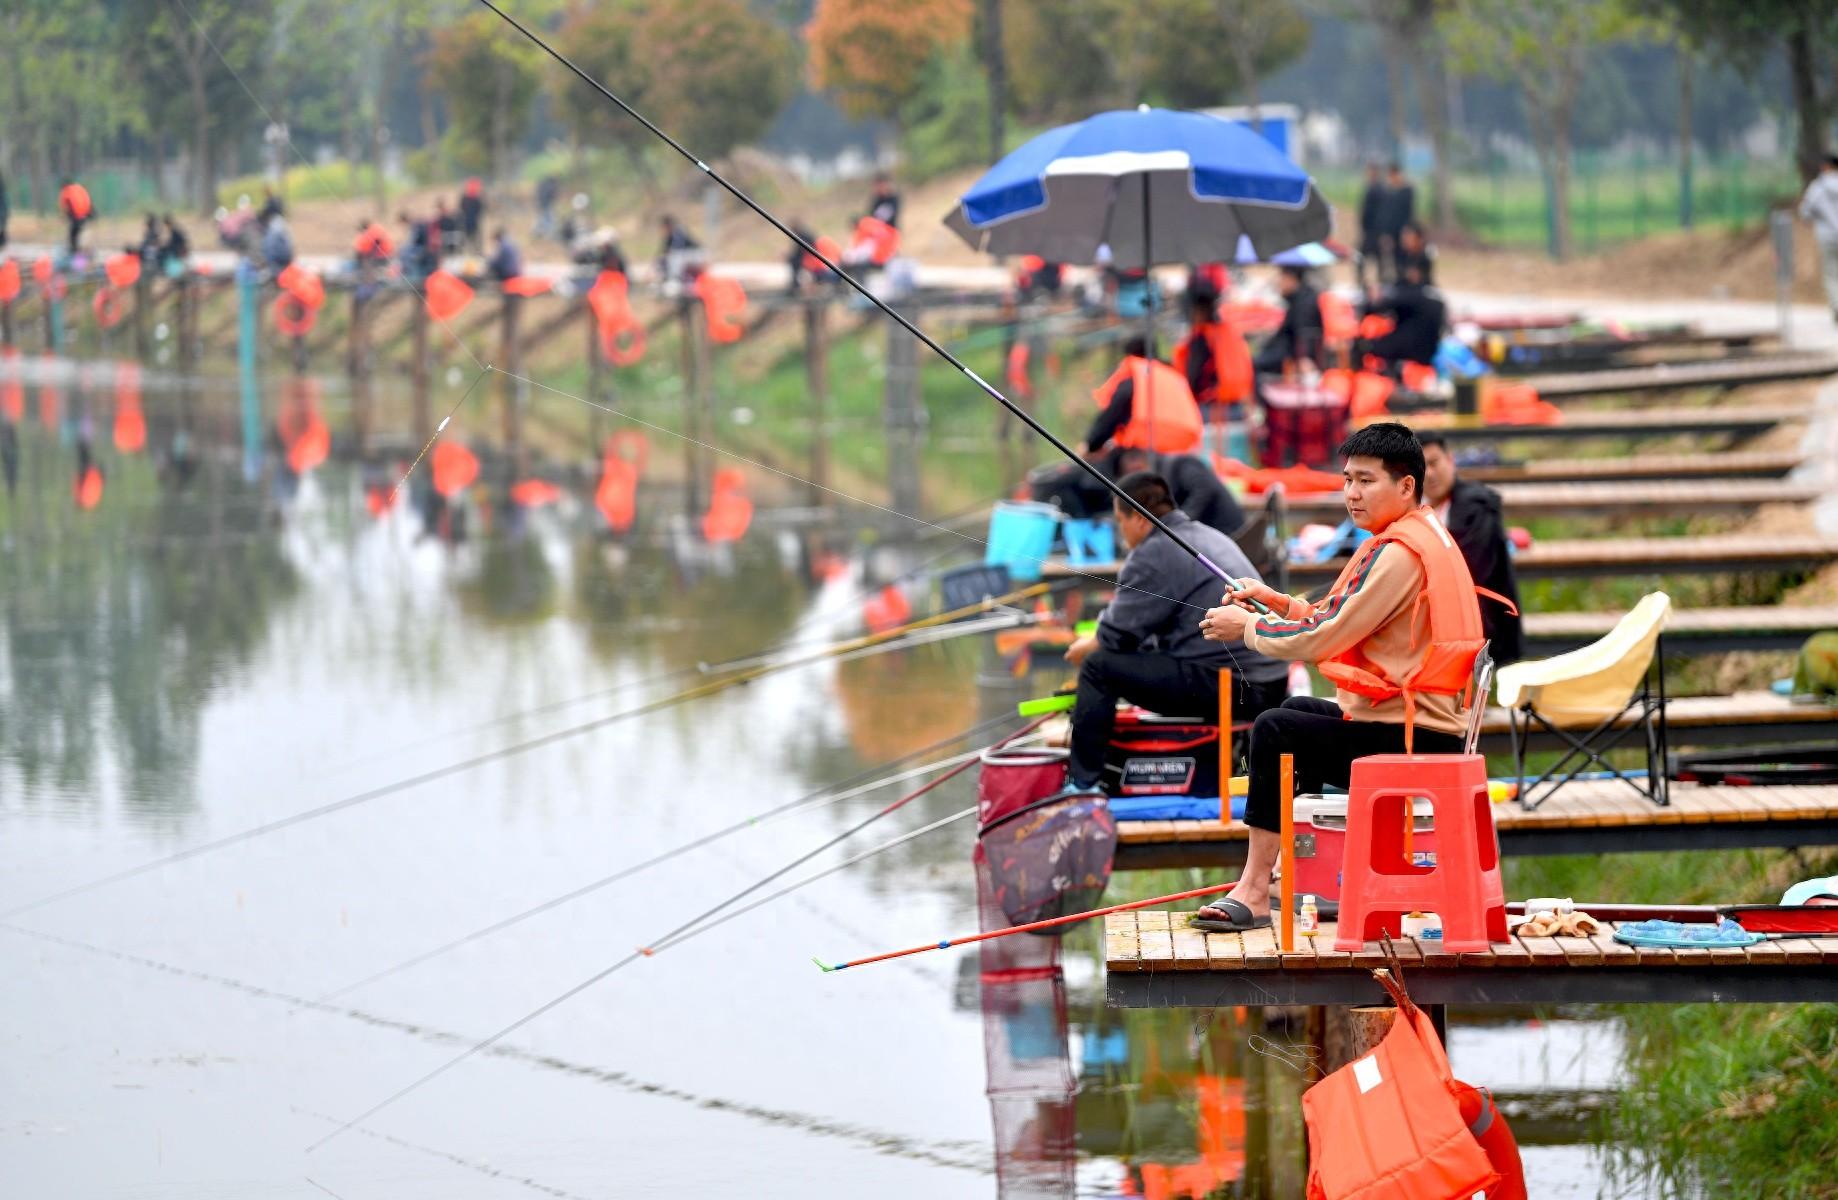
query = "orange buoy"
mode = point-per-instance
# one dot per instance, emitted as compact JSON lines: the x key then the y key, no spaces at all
{"x":88,"y":487}
{"x":123,"y":270}
{"x":723,"y":300}
{"x":454,"y":468}
{"x":130,"y":420}
{"x":107,"y":306}
{"x":292,"y":317}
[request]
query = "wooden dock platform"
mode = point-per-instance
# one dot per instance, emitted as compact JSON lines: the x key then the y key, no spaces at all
{"x":1734,"y":464}
{"x":1624,"y":423}
{"x":1585,"y":558}
{"x":1721,"y":372}
{"x":1603,"y":499}
{"x":1586,"y":817}
{"x":1156,"y":960}
{"x":1690,"y":630}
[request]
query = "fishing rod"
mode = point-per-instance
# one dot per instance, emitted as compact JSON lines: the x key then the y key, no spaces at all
{"x":548,"y":739}
{"x":861,"y":783}
{"x":991,"y":391}
{"x":661,"y":942}
{"x":1030,"y":927}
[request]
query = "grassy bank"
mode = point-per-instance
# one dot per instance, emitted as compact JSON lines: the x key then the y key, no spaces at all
{"x":1721,"y":1100}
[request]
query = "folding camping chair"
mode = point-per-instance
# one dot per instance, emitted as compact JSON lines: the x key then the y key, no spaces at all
{"x":1581,"y":696}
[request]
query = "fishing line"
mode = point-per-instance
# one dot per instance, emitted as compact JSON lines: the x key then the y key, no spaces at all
{"x":992,"y":392}
{"x":435,"y":436}
{"x":482,"y":1168}
{"x":649,"y":950}
{"x":490,"y":756}
{"x":858,"y":784}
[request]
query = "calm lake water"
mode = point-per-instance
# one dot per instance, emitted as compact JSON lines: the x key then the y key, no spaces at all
{"x":211,"y":648}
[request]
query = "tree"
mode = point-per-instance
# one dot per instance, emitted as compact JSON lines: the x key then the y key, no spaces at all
{"x":490,"y":80}
{"x":1255,"y":29}
{"x":1744,"y":34}
{"x":718,"y":73}
{"x":601,"y":39}
{"x":1545,"y":48}
{"x":995,"y":69}
{"x":194,"y":61}
{"x":55,"y":51}
{"x":871,"y":56}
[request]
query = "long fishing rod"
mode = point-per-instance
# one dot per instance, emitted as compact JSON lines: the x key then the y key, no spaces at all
{"x":1030,"y":927}
{"x":652,"y":948}
{"x":992,"y":392}
{"x":858,"y":784}
{"x":548,"y":739}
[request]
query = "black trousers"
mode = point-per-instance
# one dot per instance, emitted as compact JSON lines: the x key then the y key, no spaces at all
{"x":1173,"y":687}
{"x":1324,"y":744}
{"x":1073,"y":489}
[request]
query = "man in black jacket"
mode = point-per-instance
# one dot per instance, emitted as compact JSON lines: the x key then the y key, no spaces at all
{"x":1196,"y":488}
{"x":1471,"y":513}
{"x":1299,"y":336}
{"x":1371,"y":231}
{"x":1418,"y":315}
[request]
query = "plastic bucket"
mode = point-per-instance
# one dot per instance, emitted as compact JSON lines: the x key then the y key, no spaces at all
{"x":1020,"y":537}
{"x":1090,"y":541}
{"x":1010,"y":780}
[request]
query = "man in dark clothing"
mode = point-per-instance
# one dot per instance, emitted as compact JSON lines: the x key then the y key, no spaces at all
{"x":1398,"y":210}
{"x":4,"y":212}
{"x":1419,"y":316}
{"x":271,"y":207}
{"x":472,"y":215}
{"x":1371,"y":236}
{"x":506,"y":261}
{"x":1148,"y":648}
{"x":1471,"y":513}
{"x":1195,"y":487}
{"x":446,"y":225}
{"x":1416,"y":253}
{"x":1299,"y":336}
{"x":177,"y":248}
{"x":884,"y":204}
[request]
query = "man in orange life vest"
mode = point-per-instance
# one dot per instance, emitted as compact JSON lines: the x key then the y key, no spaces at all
{"x":1398,"y":635}
{"x":73,"y":198}
{"x":1144,"y":405}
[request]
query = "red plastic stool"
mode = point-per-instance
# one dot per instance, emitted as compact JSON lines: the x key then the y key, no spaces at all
{"x":1380,"y":884}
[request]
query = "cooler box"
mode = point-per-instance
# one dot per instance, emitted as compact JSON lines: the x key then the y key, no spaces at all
{"x":1321,"y":842}
{"x":1161,"y":756}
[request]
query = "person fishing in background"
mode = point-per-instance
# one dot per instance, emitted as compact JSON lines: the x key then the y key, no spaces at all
{"x":272,"y":206}
{"x":149,"y":247}
{"x":679,"y":256}
{"x":472,"y":216}
{"x":175,"y":251}
{"x":1471,"y":512}
{"x":1397,"y":634}
{"x":1196,"y":488}
{"x":1299,"y":338}
{"x":1418,"y":317}
{"x":73,"y":200}
{"x":1369,"y":269}
{"x":1397,"y":210}
{"x":1148,"y":650}
{"x":1214,"y":357}
{"x":884,"y":203}
{"x":506,"y":260}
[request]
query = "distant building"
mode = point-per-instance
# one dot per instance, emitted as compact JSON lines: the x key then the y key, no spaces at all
{"x":1280,"y":124}
{"x":820,"y":144}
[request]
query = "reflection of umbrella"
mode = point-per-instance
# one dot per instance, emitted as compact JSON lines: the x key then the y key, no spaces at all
{"x":1118,"y":177}
{"x":1114,"y":179}
{"x":1310,"y":254}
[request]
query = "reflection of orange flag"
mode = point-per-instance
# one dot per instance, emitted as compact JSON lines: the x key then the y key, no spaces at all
{"x":723,"y":300}
{"x":50,"y":400}
{"x":130,"y":421}
{"x":729,"y":511}
{"x":123,"y":270}
{"x":448,"y":295}
{"x":616,"y":495}
{"x":12,"y":391}
{"x":42,"y":269}
{"x":303,"y":431}
{"x":88,"y":487}
{"x":9,"y":281}
{"x":454,"y":468}
{"x":534,"y":493}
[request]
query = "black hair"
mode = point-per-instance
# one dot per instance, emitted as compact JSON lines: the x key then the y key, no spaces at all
{"x":1395,"y":167}
{"x":1149,"y":490}
{"x":1433,"y":437}
{"x":1831,"y":160}
{"x":1136,"y":347}
{"x":1393,"y":445}
{"x":1203,"y":296}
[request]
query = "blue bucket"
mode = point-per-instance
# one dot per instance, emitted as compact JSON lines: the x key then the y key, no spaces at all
{"x":1021,"y":537}
{"x":1090,"y":541}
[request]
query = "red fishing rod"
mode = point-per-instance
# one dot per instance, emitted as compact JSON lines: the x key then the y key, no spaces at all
{"x":1020,"y":414}
{"x":1030,"y":927}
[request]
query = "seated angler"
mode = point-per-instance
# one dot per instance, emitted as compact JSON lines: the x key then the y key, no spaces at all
{"x":1397,"y":635}
{"x":1147,"y":649}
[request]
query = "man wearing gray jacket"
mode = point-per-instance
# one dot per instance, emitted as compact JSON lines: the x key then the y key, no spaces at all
{"x":1148,"y":648}
{"x":1820,"y":207}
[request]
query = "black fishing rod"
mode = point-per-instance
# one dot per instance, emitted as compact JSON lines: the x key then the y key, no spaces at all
{"x":1021,"y":414}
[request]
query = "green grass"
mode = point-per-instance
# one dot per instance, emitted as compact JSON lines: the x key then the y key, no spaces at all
{"x":335,"y":180}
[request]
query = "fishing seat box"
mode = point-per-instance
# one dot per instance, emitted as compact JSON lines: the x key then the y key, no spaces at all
{"x":1321,"y":842}
{"x":1150,"y":755}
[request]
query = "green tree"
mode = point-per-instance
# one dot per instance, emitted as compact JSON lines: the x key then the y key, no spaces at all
{"x":871,"y":56}
{"x":489,"y":76}
{"x":56,"y":117}
{"x":602,"y":40}
{"x":718,"y":73}
{"x":194,"y":60}
{"x":1545,"y":48}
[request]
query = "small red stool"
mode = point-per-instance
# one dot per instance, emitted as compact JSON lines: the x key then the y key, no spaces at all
{"x":1380,"y":884}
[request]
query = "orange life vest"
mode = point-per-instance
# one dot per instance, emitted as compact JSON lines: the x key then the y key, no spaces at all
{"x":1231,"y":361}
{"x":1455,"y":636}
{"x":1163,"y":415}
{"x":1338,"y":324}
{"x":1388,"y":1126}
{"x":74,"y":200}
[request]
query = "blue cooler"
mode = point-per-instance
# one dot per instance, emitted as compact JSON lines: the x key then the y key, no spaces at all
{"x":1021,"y":537}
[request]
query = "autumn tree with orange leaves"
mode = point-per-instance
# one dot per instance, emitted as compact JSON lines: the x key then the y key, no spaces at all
{"x":871,"y":55}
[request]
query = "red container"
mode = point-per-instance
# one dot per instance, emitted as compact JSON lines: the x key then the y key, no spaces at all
{"x":1161,"y":756}
{"x":1010,"y":780}
{"x":1321,"y":843}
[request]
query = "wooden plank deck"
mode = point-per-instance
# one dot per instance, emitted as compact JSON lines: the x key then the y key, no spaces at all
{"x":1586,"y":817}
{"x":1152,"y":960}
{"x":1734,"y":464}
{"x":1751,"y":718}
{"x":1625,"y":423}
{"x":1758,"y":368}
{"x":1585,"y":557}
{"x":1690,"y":630}
{"x":1612,"y":498}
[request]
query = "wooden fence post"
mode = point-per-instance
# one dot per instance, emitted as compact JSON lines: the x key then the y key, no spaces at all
{"x":510,"y":365}
{"x":817,"y":378}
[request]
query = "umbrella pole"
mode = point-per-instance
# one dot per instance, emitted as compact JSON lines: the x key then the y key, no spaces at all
{"x":1148,"y":307}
